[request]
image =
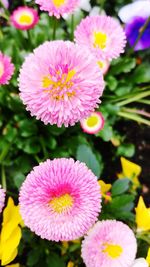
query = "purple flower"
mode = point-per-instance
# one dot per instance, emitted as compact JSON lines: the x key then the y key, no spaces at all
{"x":135,"y":16}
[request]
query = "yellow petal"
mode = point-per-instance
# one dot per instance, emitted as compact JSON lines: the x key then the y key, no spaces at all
{"x":148,"y":256}
{"x":9,"y":259}
{"x":11,"y":211}
{"x":8,"y":248}
{"x":104,"y":187}
{"x":11,"y":219}
{"x":142,"y":216}
{"x":13,"y":265}
{"x":70,"y":264}
{"x":129,"y":168}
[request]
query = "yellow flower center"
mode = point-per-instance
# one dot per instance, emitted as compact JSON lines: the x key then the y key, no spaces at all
{"x":1,"y":69}
{"x":25,"y":19}
{"x":92,"y":121}
{"x":61,"y":86}
{"x":100,"y":40}
{"x":58,"y":3}
{"x":113,"y":251}
{"x":62,"y":203}
{"x":101,"y":64}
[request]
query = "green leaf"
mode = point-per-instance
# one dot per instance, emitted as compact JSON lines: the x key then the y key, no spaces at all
{"x":27,"y":128}
{"x":141,"y":74}
{"x":122,"y":65}
{"x":126,"y":150}
{"x":120,"y":186}
{"x":19,"y":179}
{"x":111,"y":82}
{"x":53,"y":260}
{"x":106,"y":133}
{"x":122,"y":203}
{"x":85,"y":154}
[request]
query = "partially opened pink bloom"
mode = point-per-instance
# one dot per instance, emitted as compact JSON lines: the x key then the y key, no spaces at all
{"x":58,"y":7}
{"x":60,"y":199}
{"x":5,"y":4}
{"x":60,"y":83}
{"x":103,"y":35}
{"x":2,"y":198}
{"x":24,"y":18}
{"x":93,"y":124}
{"x":109,"y":244}
{"x":6,"y":69}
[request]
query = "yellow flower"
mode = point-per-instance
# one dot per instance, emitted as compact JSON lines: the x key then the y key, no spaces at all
{"x":70,"y":264}
{"x":13,"y":265}
{"x":131,"y":171}
{"x":10,"y":234}
{"x":148,"y":256}
{"x":142,"y":216}
{"x":105,"y":188}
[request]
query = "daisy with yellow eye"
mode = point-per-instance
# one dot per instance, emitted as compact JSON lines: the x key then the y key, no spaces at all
{"x":93,"y":124}
{"x":58,"y":8}
{"x":24,"y":18}
{"x":103,"y":35}
{"x":109,"y":243}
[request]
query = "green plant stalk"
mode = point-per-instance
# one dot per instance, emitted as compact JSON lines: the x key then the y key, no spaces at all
{"x":137,"y":111}
{"x":102,"y":3}
{"x":4,"y":185}
{"x":29,"y":38}
{"x":134,"y":117}
{"x":43,"y":147}
{"x":140,"y":35}
{"x":72,"y":27}
{"x":133,"y":99}
{"x":54,"y":28}
{"x":115,"y":98}
{"x":144,"y":101}
{"x":4,"y":152}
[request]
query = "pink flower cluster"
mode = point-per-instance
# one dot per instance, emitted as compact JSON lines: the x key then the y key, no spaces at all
{"x":6,"y":69}
{"x":67,"y":86}
{"x":60,"y":199}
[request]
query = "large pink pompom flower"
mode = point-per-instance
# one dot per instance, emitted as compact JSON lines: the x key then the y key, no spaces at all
{"x":103,"y":35}
{"x":6,"y":69}
{"x":2,"y":198}
{"x":58,"y":7}
{"x":24,"y":18}
{"x":60,"y":83}
{"x":109,"y":244}
{"x":60,"y":199}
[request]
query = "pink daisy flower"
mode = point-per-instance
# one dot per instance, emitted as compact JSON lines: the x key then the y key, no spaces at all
{"x":24,"y":18}
{"x":60,"y":199}
{"x":110,"y":243}
{"x":60,"y":83}
{"x":6,"y":69}
{"x":2,"y":198}
{"x":103,"y":35}
{"x":93,"y":124}
{"x":6,"y":5}
{"x":58,"y":8}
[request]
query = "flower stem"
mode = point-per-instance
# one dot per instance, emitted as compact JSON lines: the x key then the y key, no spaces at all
{"x":72,"y":27}
{"x":3,"y":178}
{"x":137,"y":111}
{"x":54,"y":28}
{"x":133,"y":99}
{"x":102,"y":3}
{"x":140,"y":35}
{"x":134,"y":117}
{"x":29,"y":38}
